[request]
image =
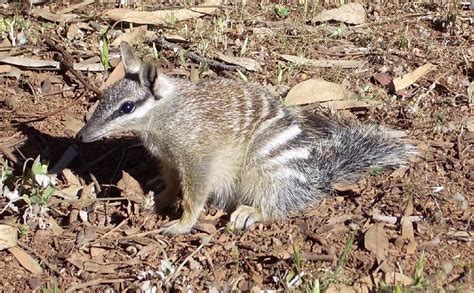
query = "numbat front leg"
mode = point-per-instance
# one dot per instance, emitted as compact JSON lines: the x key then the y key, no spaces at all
{"x":168,"y":196}
{"x":195,"y":195}
{"x":244,"y":217}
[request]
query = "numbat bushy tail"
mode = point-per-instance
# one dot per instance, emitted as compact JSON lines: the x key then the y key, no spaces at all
{"x":234,"y":143}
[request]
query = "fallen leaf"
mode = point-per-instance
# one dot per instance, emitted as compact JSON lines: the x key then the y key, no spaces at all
{"x":349,"y":104}
{"x":86,"y":235}
{"x":54,"y":226}
{"x":407,"y":229}
{"x":72,"y":124}
{"x":5,"y":68}
{"x":115,"y":76}
{"x":71,"y":179}
{"x":8,"y":236}
{"x":89,"y":67}
{"x":352,"y":13}
{"x":162,"y":16}
{"x":315,"y":90}
{"x":130,"y":187}
{"x":48,"y":15}
{"x":376,"y":241}
{"x":205,"y":227}
{"x":29,"y":62}
{"x":132,"y":37}
{"x":395,"y":278}
{"x":26,"y":260}
{"x":411,"y":247}
{"x":323,"y":63}
{"x":74,"y":32}
{"x":470,"y":124}
{"x":85,"y":262}
{"x":70,"y":8}
{"x":247,"y":63}
{"x":339,"y":288}
{"x":410,"y":78}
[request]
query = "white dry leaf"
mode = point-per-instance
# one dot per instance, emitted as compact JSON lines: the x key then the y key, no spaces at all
{"x":325,"y":63}
{"x":411,"y":77}
{"x":160,"y":17}
{"x":316,"y":90}
{"x":132,"y":37}
{"x":45,"y":179}
{"x":352,"y":13}
{"x":376,"y":241}
{"x":247,"y":63}
{"x":48,"y":15}
{"x":8,"y":236}
{"x":11,"y":195}
{"x":29,"y":62}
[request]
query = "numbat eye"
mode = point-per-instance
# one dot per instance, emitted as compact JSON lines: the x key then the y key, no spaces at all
{"x":127,"y":107}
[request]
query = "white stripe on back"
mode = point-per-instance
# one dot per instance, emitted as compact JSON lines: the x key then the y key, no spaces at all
{"x":291,"y":173}
{"x":289,"y":155}
{"x":282,"y":138}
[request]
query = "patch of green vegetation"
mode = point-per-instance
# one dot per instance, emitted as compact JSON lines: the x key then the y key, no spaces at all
{"x":376,"y":171}
{"x":104,"y":48}
{"x":34,"y":187}
{"x":281,"y":11}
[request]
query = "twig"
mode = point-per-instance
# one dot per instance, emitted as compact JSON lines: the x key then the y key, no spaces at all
{"x":394,"y":220}
{"x":68,"y":63}
{"x":197,"y":58}
{"x":40,"y":257}
{"x":204,"y":242}
{"x":77,"y":287}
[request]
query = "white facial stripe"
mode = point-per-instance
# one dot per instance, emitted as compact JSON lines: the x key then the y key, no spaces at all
{"x":164,"y":86}
{"x":289,"y":155}
{"x":283,"y":137}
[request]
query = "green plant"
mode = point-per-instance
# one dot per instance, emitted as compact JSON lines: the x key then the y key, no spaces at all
{"x":281,"y":10}
{"x":376,"y":171}
{"x":419,"y":274}
{"x":243,"y":49}
{"x":35,"y":187}
{"x":104,"y":48}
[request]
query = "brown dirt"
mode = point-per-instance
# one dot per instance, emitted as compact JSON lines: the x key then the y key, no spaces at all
{"x":113,"y":245}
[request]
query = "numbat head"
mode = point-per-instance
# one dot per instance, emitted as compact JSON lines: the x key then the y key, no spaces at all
{"x":234,"y":143}
{"x":126,"y":105}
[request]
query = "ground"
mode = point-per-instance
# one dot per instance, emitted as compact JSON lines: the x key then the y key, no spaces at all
{"x":405,"y":229}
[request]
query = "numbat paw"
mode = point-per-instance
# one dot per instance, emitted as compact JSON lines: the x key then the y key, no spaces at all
{"x":244,"y":217}
{"x":176,"y":227}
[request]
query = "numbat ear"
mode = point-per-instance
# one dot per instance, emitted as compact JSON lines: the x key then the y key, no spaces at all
{"x":131,"y":64}
{"x":148,"y":75}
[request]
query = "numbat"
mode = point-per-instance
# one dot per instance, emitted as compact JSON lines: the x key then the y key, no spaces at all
{"x":234,"y":143}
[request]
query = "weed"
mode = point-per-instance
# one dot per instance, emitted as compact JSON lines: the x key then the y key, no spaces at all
{"x":418,"y":276}
{"x":376,"y":171}
{"x":242,"y":76}
{"x":104,"y":48}
{"x":281,"y":10}
{"x":51,"y":287}
{"x":340,"y":263}
{"x":35,"y":188}
{"x":243,"y":49}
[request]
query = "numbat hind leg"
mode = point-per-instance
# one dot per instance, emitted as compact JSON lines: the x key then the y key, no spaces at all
{"x":245,"y":216}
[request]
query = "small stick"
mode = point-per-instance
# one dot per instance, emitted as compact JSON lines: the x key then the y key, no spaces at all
{"x":68,"y":62}
{"x":197,"y":58}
